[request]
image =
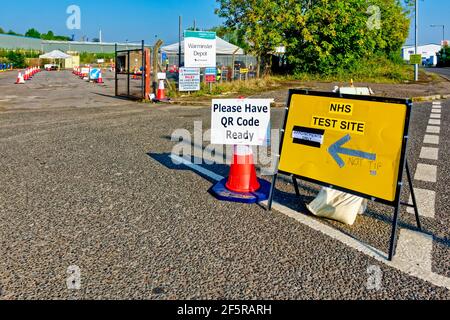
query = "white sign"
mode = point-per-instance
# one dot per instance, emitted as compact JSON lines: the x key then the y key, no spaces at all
{"x":189,"y":79}
{"x":100,"y":60}
{"x":240,"y":121}
{"x":85,"y":71}
{"x":161,"y":76}
{"x":199,"y":49}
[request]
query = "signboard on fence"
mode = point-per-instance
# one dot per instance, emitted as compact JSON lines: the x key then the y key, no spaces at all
{"x":240,"y":121}
{"x":354,"y":143}
{"x":210,"y":75}
{"x":189,"y":79}
{"x":199,"y":49}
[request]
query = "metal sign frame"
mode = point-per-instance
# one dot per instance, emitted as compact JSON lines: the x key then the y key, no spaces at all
{"x":129,"y":74}
{"x":396,"y":203}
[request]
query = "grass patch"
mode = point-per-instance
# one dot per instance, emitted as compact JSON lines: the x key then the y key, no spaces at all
{"x":376,"y":69}
{"x":243,"y":87}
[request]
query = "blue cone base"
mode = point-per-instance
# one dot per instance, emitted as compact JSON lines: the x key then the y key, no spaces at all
{"x":221,"y":192}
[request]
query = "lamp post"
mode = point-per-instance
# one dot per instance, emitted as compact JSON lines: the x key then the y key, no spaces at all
{"x":416,"y":66}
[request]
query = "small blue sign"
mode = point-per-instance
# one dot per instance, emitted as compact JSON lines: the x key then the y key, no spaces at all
{"x":94,"y":74}
{"x":211,"y":71}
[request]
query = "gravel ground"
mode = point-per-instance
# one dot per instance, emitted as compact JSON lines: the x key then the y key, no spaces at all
{"x":86,"y":181}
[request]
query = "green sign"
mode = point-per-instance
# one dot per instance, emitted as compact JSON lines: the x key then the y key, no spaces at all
{"x":415,"y":59}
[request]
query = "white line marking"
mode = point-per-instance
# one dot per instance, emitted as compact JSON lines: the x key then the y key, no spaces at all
{"x":433,"y":129}
{"x":403,"y":263}
{"x":426,"y":172}
{"x":429,"y":153}
{"x":198,"y":168}
{"x":414,"y":251}
{"x":426,"y":200}
{"x":436,"y":122}
{"x":436,"y":111}
{"x":437,"y":107}
{"x":431,"y":139}
{"x":435,"y":116}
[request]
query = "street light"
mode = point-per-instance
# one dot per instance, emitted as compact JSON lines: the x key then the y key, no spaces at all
{"x":416,"y":38}
{"x":443,"y":30}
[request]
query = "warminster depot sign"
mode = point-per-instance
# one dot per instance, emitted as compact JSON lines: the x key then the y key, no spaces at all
{"x":199,"y":49}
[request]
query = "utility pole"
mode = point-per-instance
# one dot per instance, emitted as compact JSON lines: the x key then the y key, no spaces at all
{"x":416,"y":66}
{"x":195,"y":29}
{"x":179,"y":42}
{"x":100,"y":36}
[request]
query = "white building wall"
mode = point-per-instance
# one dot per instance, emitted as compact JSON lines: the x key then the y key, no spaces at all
{"x":427,"y":51}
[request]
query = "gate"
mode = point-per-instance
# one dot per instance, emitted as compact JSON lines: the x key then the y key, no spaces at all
{"x":132,"y":73}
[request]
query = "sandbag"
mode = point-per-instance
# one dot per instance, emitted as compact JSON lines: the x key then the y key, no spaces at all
{"x":337,"y":205}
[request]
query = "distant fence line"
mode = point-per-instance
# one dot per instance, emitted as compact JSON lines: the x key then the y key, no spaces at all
{"x":224,"y":60}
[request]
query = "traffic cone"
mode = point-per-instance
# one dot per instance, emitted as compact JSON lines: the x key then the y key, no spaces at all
{"x":242,"y":185}
{"x":100,"y":79}
{"x":161,"y":95}
{"x":26,"y":76}
{"x":20,"y":79}
{"x":242,"y":177}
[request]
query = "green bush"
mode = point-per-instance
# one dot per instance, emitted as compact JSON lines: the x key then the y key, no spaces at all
{"x":17,"y":59}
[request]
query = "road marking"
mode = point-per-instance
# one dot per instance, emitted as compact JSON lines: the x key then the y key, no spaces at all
{"x":435,"y":116}
{"x":431,"y":139}
{"x":420,"y":269}
{"x":429,"y":153}
{"x":436,"y":111}
{"x":433,"y":129}
{"x":195,"y":167}
{"x":434,"y":122}
{"x":414,"y":251}
{"x":426,"y":172}
{"x":426,"y":200}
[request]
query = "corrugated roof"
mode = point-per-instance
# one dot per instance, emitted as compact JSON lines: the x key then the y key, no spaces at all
{"x":19,"y":42}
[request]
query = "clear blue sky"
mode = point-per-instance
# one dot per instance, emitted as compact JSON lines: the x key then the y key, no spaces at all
{"x":134,"y":20}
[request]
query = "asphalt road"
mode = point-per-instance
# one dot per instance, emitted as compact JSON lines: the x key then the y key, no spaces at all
{"x":86,"y":181}
{"x":445,"y":72}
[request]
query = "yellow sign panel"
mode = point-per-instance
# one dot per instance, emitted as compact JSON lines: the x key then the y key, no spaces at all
{"x":355,"y":143}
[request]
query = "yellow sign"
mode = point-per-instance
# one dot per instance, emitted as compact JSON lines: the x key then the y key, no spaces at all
{"x":243,"y":71}
{"x":355,"y":143}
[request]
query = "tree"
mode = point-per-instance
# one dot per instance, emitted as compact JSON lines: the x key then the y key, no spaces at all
{"x":2,"y":31}
{"x":230,"y":35}
{"x":444,"y":57}
{"x":319,"y":35}
{"x":48,"y":36}
{"x":256,"y":21}
{"x":32,"y":33}
{"x":10,"y":32}
{"x":16,"y":58}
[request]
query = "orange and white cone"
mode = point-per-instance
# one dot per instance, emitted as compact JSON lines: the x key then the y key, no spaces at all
{"x":242,"y":184}
{"x":100,"y":78}
{"x":26,"y":76}
{"x":161,"y":95}
{"x":20,"y":79}
{"x":242,"y":177}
